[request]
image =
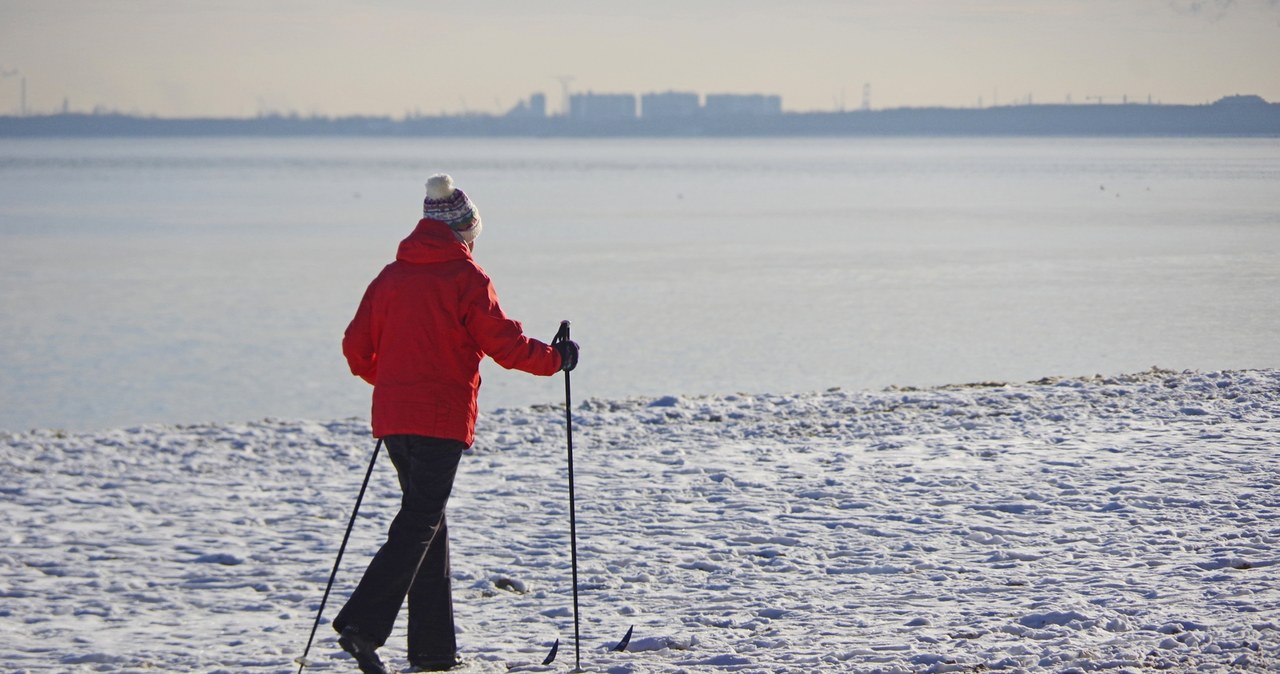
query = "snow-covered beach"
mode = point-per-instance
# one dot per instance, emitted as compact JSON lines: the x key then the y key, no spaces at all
{"x":1076,"y":524}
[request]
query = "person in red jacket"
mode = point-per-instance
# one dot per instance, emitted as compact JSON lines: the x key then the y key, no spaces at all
{"x":418,"y":336}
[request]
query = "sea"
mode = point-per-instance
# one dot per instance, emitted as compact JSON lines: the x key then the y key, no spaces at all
{"x":192,"y":280}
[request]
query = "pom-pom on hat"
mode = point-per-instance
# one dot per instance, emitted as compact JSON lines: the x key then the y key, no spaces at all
{"x":450,"y":205}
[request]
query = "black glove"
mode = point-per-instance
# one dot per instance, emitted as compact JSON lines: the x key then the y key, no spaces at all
{"x":568,"y":354}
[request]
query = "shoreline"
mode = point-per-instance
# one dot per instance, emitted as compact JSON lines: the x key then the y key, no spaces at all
{"x":1128,"y":378}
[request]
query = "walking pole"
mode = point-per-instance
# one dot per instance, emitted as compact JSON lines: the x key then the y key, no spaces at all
{"x":563,"y":336}
{"x":302,"y":660}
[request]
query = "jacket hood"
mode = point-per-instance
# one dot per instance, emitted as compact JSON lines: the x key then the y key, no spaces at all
{"x":431,"y":241}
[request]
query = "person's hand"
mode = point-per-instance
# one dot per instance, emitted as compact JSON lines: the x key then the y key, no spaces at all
{"x":568,"y":354}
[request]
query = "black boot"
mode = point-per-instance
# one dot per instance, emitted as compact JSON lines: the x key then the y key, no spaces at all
{"x":363,"y":650}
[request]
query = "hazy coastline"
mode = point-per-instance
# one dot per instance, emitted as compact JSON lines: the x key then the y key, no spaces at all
{"x":1241,"y":115}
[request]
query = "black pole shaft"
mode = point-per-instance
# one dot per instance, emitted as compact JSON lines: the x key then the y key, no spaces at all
{"x":563,"y":335}
{"x":302,"y":661}
{"x":573,"y":524}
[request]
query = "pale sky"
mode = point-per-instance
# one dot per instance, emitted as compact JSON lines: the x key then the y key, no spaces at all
{"x":183,"y":58}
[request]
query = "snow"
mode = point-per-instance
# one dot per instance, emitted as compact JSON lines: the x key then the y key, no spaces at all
{"x":1068,"y":524}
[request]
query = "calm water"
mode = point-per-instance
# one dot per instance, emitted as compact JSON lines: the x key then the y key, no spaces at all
{"x":210,"y":280}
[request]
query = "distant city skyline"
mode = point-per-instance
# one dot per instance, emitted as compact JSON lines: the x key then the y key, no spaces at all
{"x":240,"y":58}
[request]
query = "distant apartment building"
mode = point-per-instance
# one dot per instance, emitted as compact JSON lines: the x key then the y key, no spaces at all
{"x":536,"y":106}
{"x":602,"y":107}
{"x":669,"y":104}
{"x":743,"y":104}
{"x":593,"y":107}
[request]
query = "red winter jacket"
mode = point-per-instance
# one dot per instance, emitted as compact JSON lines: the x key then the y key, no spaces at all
{"x":420,"y":332}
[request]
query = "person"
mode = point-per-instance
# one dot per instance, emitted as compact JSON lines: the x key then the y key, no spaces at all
{"x":421,"y":330}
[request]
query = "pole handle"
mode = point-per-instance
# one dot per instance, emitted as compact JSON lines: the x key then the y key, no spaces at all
{"x":562,"y":335}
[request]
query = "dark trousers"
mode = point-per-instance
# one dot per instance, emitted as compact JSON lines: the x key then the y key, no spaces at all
{"x":414,"y":560}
